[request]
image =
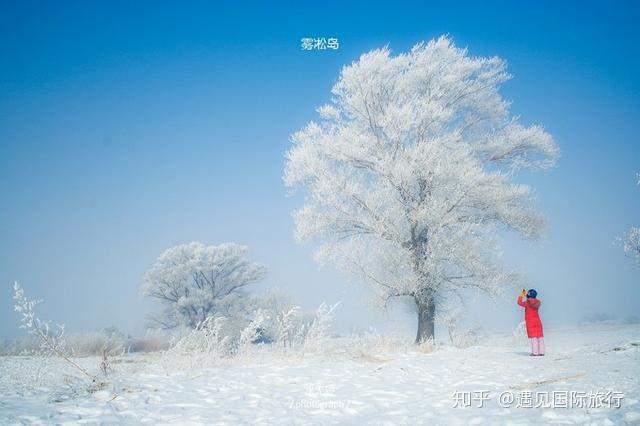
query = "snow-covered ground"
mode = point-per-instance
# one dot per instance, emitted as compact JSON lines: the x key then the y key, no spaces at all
{"x":346,"y":382}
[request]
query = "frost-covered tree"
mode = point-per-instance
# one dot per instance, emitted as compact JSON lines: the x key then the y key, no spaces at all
{"x":632,"y":243}
{"x":409,"y":172}
{"x":631,"y":240}
{"x":195,"y":281}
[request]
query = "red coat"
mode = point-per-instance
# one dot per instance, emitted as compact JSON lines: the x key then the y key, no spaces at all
{"x":531,"y":317}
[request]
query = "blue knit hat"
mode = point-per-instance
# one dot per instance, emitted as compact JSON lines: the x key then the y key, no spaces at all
{"x":532,"y":293}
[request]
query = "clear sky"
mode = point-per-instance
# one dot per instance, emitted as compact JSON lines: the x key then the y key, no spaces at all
{"x":129,"y":127}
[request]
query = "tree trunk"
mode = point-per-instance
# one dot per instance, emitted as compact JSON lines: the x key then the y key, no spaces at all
{"x":426,"y":316}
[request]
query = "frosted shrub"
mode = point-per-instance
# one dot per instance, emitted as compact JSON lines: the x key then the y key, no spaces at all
{"x":288,"y":324}
{"x":254,"y":332}
{"x":317,"y":331}
{"x":207,"y":337}
{"x":219,"y":338}
{"x":105,"y":364}
{"x":51,"y":343}
{"x":297,"y":328}
{"x":273,"y":307}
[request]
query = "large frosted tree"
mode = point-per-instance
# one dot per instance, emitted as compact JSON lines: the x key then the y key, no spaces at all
{"x":194,"y":281}
{"x":409,"y":173}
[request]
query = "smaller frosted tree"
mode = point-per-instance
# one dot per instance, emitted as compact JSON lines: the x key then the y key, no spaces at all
{"x":632,"y":243}
{"x":194,"y":281}
{"x":631,"y":240}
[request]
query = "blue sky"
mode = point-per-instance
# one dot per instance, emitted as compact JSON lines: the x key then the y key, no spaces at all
{"x":128,"y":128}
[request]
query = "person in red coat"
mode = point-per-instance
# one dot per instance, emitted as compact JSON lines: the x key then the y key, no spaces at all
{"x":531,"y":304}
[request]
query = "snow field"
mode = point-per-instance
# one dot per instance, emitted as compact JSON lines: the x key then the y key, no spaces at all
{"x":347,"y":382}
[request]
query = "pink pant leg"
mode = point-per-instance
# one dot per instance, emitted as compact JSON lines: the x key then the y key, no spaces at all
{"x":534,"y":346}
{"x":541,"y":345}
